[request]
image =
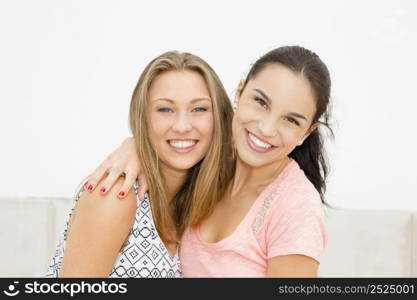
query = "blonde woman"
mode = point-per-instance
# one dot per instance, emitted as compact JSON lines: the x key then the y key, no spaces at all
{"x":180,"y":118}
{"x":270,"y":221}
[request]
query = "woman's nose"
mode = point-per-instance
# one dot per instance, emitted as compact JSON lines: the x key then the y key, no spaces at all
{"x":182,"y":124}
{"x":268,"y":127}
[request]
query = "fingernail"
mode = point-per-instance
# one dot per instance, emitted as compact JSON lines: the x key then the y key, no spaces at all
{"x":103,"y":190}
{"x":121,"y":194}
{"x":86,"y":183}
{"x":90,"y":187}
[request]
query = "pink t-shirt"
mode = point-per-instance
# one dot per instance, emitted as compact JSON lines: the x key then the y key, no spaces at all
{"x":286,"y":218}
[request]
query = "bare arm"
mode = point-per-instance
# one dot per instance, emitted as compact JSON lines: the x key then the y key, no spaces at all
{"x":98,"y":229}
{"x":123,"y":159}
{"x":292,"y":266}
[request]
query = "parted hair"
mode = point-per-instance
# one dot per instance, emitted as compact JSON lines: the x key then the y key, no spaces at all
{"x":206,"y":181}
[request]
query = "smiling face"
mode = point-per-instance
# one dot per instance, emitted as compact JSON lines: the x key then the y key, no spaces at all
{"x":274,"y":115}
{"x":181,"y":118}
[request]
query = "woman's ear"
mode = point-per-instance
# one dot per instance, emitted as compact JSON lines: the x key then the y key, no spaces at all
{"x":237,"y":94}
{"x":309,"y":131}
{"x":240,"y":85}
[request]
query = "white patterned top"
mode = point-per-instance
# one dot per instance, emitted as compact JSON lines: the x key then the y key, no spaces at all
{"x":144,"y":254}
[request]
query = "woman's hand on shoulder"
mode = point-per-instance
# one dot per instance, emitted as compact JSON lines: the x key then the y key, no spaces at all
{"x":97,"y":233}
{"x":123,"y":162}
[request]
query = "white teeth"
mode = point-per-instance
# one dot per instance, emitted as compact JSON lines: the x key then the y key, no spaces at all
{"x":258,"y":142}
{"x":181,"y":144}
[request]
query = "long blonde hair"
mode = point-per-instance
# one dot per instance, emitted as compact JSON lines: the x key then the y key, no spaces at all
{"x":207,"y":181}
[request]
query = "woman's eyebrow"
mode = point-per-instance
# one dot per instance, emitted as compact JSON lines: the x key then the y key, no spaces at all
{"x":297,"y":115}
{"x":201,"y":99}
{"x":192,"y":101}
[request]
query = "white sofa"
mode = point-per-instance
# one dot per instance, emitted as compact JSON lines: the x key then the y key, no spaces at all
{"x":361,"y":243}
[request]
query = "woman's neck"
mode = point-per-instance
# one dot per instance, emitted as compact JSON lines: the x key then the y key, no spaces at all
{"x":248,"y":177}
{"x":173,"y":180}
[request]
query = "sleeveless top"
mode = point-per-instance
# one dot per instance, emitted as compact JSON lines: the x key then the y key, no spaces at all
{"x":143,"y":255}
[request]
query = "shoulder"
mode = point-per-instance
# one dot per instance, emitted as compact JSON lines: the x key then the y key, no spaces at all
{"x":295,"y":222}
{"x":298,"y":189}
{"x":296,"y":197}
{"x":99,"y":228}
{"x":108,"y":207}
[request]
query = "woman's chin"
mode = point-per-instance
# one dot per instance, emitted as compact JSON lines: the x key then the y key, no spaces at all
{"x":181,"y":164}
{"x":251,"y":159}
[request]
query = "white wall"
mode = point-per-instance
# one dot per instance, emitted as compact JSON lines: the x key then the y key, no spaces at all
{"x":67,"y":70}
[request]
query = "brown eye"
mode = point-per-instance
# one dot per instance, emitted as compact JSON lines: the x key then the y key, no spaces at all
{"x":261,"y":102}
{"x":292,"y":120}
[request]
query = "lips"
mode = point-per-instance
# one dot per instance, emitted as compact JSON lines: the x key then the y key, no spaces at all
{"x":182,"y":145}
{"x":258,"y":145}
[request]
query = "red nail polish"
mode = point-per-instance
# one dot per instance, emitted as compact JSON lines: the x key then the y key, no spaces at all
{"x":103,"y":189}
{"x":90,"y":187}
{"x":121,"y":194}
{"x":86,"y":183}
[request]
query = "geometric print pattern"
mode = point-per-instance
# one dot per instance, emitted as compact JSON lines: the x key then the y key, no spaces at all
{"x":143,"y":255}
